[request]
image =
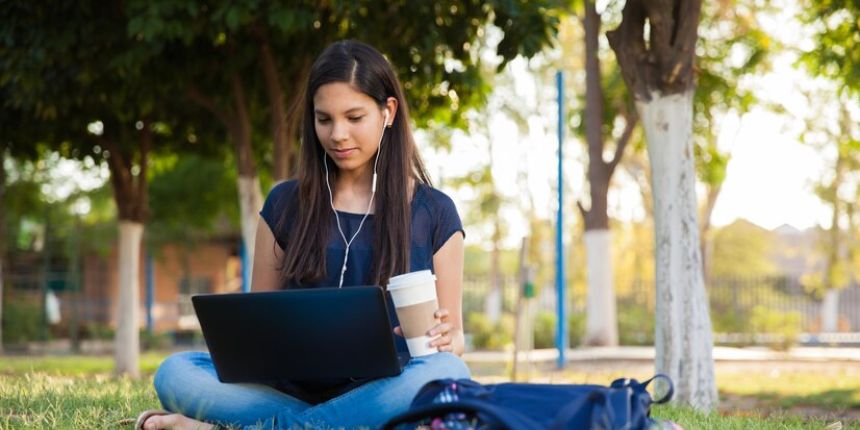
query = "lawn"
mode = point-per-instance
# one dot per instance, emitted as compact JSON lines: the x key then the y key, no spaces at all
{"x":78,"y":392}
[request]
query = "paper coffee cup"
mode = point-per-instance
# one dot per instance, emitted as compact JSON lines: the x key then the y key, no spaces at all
{"x":414,"y":297}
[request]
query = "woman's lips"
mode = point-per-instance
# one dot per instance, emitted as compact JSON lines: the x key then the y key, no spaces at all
{"x":343,"y":153}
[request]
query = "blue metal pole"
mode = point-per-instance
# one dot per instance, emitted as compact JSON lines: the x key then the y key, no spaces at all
{"x":561,"y":332}
{"x":150,"y":291}
{"x":246,"y":267}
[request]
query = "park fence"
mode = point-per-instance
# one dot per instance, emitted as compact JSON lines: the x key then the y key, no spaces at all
{"x":744,"y":310}
{"x":760,"y":310}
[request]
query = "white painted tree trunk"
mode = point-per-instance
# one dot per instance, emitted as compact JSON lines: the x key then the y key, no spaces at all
{"x":830,"y":311}
{"x":250,"y":203}
{"x":127,"y":343}
{"x":493,"y":305}
{"x":684,"y":340}
{"x":601,"y":325}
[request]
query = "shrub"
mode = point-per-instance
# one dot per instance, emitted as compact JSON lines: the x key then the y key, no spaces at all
{"x":635,"y":326}
{"x":486,"y":335}
{"x":575,"y":328}
{"x":728,"y":321}
{"x":544,"y":330}
{"x":150,"y":341}
{"x":785,"y":326}
{"x":96,"y":331}
{"x":23,"y":320}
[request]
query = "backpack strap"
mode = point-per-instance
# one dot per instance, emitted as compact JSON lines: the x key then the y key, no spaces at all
{"x":642,"y":386}
{"x":669,"y":393}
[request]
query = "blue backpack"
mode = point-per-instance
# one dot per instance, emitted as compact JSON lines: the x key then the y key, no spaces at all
{"x":464,"y":404}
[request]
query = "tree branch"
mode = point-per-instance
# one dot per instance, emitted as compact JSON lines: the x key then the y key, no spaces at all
{"x":582,"y":210}
{"x":142,"y":182}
{"x":593,"y":86}
{"x":681,"y":63}
{"x":119,"y":177}
{"x":116,"y":159}
{"x":193,"y":93}
{"x":280,"y":127}
{"x":662,"y":24}
{"x":628,"y":42}
{"x":242,"y":129}
{"x":621,"y":144}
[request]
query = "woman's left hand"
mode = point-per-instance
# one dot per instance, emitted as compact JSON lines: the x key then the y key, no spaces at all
{"x":446,"y":331}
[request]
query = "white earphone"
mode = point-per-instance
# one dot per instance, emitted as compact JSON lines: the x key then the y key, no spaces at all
{"x":369,"y":204}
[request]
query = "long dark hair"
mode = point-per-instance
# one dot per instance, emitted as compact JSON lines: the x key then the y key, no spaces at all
{"x":304,"y":260}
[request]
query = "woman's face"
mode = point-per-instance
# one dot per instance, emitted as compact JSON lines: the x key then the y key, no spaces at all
{"x":349,"y":125}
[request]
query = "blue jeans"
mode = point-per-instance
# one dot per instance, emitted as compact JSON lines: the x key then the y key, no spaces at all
{"x":186,"y":383}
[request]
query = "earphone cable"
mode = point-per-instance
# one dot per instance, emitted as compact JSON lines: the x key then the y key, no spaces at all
{"x":369,"y":203}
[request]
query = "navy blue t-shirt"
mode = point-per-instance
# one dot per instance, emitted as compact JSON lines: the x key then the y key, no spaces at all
{"x":434,"y":221}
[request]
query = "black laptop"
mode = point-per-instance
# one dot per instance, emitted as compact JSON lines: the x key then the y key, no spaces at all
{"x":299,"y":335}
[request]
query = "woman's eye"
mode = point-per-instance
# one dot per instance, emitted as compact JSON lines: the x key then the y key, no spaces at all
{"x":356,"y":118}
{"x":323,"y":120}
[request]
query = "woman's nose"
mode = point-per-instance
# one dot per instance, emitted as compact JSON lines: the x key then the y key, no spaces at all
{"x":339,"y":131}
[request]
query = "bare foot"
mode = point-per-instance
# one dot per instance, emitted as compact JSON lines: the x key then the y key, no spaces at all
{"x":174,"y":422}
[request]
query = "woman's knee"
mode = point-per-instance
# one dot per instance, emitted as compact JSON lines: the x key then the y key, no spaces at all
{"x":448,"y":365}
{"x":170,"y":375}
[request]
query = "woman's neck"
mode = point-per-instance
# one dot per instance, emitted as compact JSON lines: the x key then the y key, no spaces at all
{"x":352,"y":194}
{"x":352,"y":190}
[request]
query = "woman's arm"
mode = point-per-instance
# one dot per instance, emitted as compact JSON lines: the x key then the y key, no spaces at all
{"x":448,"y":265}
{"x":267,"y":257}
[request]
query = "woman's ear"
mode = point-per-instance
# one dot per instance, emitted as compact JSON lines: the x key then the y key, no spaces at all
{"x":391,"y":108}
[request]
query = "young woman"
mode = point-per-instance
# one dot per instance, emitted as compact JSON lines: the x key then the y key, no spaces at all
{"x":361,"y":211}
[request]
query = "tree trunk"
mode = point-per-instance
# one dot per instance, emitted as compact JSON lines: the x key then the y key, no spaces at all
{"x":655,"y":45}
{"x":684,"y":339}
{"x":248,"y":183}
{"x":2,"y":232}
{"x":127,"y":346}
{"x":295,"y":108}
{"x":238,"y":124}
{"x":601,"y":322}
{"x":601,"y":326}
{"x":131,"y":196}
{"x":830,"y":311}
{"x":833,"y":280}
{"x":281,"y":137}
{"x":250,"y":202}
{"x":494,"y":301}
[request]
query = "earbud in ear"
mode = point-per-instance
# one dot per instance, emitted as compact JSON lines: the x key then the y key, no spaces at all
{"x":385,"y":121}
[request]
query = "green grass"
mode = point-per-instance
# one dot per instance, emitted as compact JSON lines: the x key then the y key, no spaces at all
{"x":49,"y":401}
{"x":71,"y":364}
{"x":837,"y":389}
{"x":690,"y":419}
{"x":79,"y":392}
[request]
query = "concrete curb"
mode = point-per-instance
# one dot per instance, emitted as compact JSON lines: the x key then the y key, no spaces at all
{"x":646,"y":353}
